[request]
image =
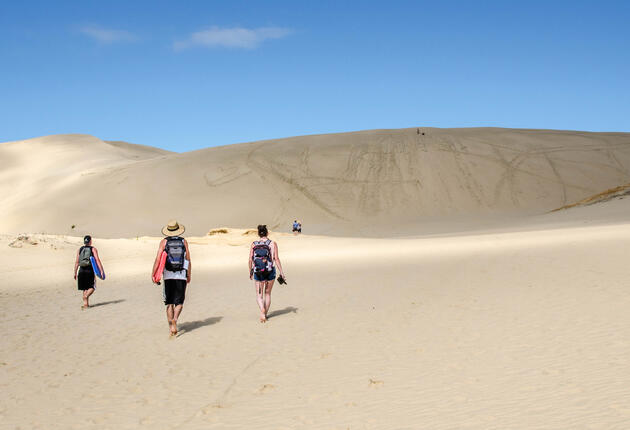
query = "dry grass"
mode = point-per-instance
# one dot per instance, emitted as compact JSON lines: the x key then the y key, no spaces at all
{"x":599,"y":197}
{"x":218,"y":231}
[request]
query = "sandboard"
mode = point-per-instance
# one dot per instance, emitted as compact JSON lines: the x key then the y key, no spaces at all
{"x":157,"y":275}
{"x":97,"y":270}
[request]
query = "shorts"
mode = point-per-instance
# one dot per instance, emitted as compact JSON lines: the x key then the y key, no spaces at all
{"x":85,"y":279}
{"x":174,"y":291}
{"x":265,"y":276}
{"x":299,"y":230}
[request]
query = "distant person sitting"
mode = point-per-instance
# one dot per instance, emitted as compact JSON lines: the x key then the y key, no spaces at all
{"x":297,"y":227}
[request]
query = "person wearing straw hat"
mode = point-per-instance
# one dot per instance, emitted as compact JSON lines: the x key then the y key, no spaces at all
{"x":177,"y":271}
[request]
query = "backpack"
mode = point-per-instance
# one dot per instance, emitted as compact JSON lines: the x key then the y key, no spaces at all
{"x":175,"y":254}
{"x":84,"y":256}
{"x":262,"y":259}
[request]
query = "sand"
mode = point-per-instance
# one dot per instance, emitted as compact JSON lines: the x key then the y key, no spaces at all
{"x":522,"y":329}
{"x":503,"y":322}
{"x":376,"y":183}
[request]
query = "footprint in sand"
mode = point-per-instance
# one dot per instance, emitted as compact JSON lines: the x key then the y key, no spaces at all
{"x":375,"y":382}
{"x":266,"y":388}
{"x":207,"y":410}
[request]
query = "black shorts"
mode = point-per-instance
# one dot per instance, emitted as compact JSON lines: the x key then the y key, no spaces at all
{"x":85,"y":279}
{"x":174,"y":291}
{"x":265,"y":276}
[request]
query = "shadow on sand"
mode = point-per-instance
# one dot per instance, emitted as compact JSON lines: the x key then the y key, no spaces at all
{"x":193,"y":325}
{"x":287,"y":310}
{"x":110,"y":302}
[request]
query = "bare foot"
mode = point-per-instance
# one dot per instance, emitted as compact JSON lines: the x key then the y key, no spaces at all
{"x":263,"y":318}
{"x":173,"y":325}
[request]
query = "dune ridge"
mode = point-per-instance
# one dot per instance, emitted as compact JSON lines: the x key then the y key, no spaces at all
{"x":375,"y":182}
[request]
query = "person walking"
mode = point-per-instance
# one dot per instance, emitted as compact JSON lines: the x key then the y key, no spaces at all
{"x":263,"y":260}
{"x":83,"y":271}
{"x":177,"y":271}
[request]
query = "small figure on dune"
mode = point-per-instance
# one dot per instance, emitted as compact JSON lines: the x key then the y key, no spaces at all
{"x":297,"y":227}
{"x":263,"y":260}
{"x":87,"y":257}
{"x":176,"y":273}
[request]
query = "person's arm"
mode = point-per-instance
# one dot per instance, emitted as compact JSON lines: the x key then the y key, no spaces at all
{"x":98,"y":260}
{"x":76,"y":265}
{"x":249,"y":261}
{"x":189,"y":271}
{"x":276,"y":258}
{"x":156,"y":263}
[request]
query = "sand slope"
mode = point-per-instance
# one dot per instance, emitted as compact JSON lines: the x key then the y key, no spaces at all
{"x":521,"y":322}
{"x":38,"y":174}
{"x":378,"y":182}
{"x":519,"y":330}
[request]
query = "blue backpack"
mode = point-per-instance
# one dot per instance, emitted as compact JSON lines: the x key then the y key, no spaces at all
{"x":262,"y":258}
{"x":175,"y":254}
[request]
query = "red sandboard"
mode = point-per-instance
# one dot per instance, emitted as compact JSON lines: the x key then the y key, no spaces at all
{"x":157,"y":275}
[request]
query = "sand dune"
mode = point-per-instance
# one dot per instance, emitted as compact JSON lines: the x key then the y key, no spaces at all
{"x":521,"y":330}
{"x":374,"y":183}
{"x":37,"y":176}
{"x":477,"y":308}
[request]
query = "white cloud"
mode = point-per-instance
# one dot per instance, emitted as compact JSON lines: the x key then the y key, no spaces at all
{"x":236,"y":37}
{"x":107,"y":35}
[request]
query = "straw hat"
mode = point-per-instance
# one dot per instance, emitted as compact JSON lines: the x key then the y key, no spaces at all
{"x":173,"y":228}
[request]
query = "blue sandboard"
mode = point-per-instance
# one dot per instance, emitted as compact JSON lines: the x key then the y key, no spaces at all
{"x":97,"y":271}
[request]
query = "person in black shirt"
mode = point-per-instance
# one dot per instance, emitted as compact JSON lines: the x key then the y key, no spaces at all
{"x":83,"y":271}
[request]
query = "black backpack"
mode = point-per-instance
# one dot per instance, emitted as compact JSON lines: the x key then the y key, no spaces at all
{"x":175,"y":254}
{"x":85,"y":252}
{"x":262,"y":258}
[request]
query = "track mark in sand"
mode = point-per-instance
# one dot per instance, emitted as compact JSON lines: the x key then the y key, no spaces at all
{"x":470,"y":183}
{"x":557,"y":174}
{"x":615,"y":159}
{"x":223,"y":396}
{"x":375,"y":163}
{"x":508,"y":176}
{"x":284,"y":200}
{"x":220,"y":401}
{"x":262,"y":168}
{"x":231,"y":174}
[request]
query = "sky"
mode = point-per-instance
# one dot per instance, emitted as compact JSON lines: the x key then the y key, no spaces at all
{"x":185,"y":75}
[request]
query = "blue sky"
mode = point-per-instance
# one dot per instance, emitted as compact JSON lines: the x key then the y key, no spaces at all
{"x":184,"y":75}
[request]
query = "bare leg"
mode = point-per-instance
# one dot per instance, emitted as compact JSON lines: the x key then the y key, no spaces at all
{"x":86,"y":295}
{"x":268,"y":287}
{"x":260,"y":299}
{"x":170,"y":317}
{"x":176,"y":313}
